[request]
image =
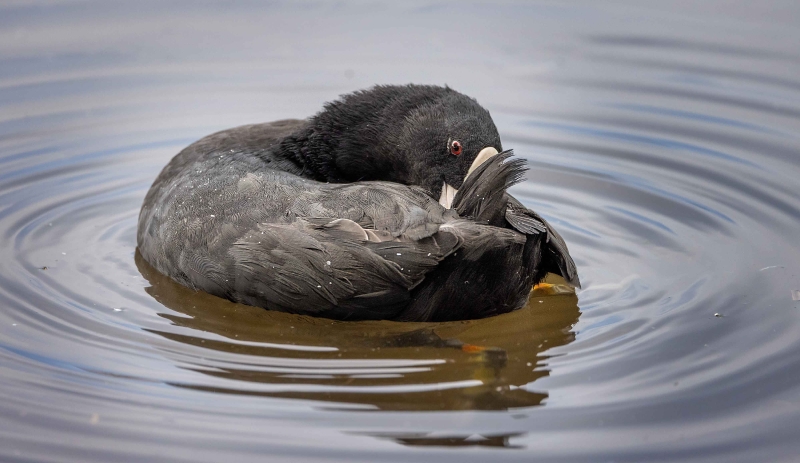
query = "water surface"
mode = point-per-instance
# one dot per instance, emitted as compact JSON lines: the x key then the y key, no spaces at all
{"x":663,"y":142}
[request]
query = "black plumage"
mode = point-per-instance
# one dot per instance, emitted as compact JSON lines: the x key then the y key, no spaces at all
{"x":336,"y":216}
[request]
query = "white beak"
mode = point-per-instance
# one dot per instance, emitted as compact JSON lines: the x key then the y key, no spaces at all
{"x":449,"y":193}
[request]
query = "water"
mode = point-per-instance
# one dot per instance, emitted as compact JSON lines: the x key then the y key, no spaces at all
{"x":664,"y":144}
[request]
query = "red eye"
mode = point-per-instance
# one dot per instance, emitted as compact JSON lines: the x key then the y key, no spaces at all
{"x":455,"y":148}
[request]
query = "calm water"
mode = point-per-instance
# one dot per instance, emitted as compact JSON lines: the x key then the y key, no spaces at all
{"x":664,"y":144}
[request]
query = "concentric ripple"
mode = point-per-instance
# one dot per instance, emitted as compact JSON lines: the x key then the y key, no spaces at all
{"x":663,"y":143}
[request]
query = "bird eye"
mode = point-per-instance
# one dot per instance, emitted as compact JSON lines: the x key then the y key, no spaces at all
{"x":455,"y":147}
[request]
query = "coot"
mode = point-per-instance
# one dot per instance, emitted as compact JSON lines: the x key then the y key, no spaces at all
{"x":337,"y":216}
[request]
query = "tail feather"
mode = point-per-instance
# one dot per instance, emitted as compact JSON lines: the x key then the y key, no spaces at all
{"x":482,"y":196}
{"x":483,"y":199}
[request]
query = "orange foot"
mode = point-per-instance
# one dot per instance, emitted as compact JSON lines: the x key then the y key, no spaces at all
{"x":472,"y":348}
{"x":544,"y":289}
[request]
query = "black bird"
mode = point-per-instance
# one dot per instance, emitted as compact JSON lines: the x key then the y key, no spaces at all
{"x":336,"y":216}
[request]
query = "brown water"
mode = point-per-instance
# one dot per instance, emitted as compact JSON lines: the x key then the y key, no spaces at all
{"x":664,"y":144}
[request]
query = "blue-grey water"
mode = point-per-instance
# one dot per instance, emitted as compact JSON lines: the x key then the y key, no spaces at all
{"x":664,"y":144}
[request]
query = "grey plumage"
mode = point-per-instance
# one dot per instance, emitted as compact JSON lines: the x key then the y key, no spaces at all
{"x":231,"y":216}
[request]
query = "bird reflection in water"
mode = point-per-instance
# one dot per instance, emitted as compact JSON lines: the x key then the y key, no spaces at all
{"x":487,"y":364}
{"x":472,"y":440}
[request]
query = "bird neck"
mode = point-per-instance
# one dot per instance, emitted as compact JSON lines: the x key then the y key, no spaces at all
{"x":342,"y":150}
{"x":314,"y":156}
{"x":359,"y":136}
